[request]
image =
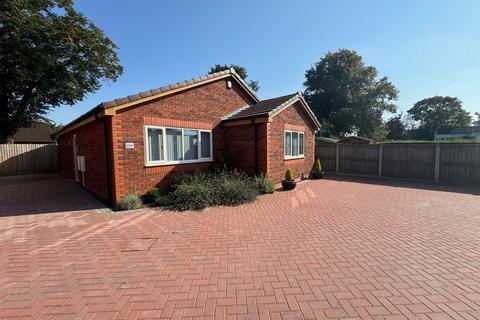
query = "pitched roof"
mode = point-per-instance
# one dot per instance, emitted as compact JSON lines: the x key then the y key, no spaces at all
{"x":151,"y":94}
{"x":270,"y":107}
{"x":177,"y":85}
{"x":459,"y":130}
{"x":40,"y":132}
{"x":261,"y":108}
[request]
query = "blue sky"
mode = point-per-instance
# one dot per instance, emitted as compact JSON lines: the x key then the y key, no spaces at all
{"x":425,"y":48}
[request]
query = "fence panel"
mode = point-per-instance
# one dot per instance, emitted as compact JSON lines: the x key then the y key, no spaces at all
{"x":326,"y":153}
{"x":358,"y":159}
{"x":460,"y":163}
{"x":16,"y":159}
{"x":415,"y":161}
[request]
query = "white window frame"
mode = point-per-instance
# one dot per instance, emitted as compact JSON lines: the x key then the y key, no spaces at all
{"x":300,"y":155}
{"x":165,"y":162}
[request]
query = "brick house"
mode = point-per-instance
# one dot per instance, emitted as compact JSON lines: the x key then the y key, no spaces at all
{"x":134,"y":143}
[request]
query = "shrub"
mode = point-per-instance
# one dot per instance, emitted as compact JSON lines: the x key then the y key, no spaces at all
{"x":152,"y":195}
{"x":200,"y":190}
{"x":129,"y":202}
{"x":288,"y":174}
{"x":193,"y":192}
{"x":233,"y":188}
{"x":164,"y":200}
{"x":318,"y":166}
{"x":265,"y":184}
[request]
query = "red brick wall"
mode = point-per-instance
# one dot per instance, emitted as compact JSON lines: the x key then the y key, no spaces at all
{"x":293,"y":117}
{"x":241,"y":146}
{"x":91,"y":144}
{"x":200,"y":107}
{"x":65,"y":156}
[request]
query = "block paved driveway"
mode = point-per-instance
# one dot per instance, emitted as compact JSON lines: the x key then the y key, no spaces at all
{"x":331,"y":249}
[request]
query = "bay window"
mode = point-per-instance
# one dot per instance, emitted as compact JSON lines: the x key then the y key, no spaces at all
{"x":164,"y":145}
{"x":294,"y":144}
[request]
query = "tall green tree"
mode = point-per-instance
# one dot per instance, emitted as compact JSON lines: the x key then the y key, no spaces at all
{"x":437,"y":112}
{"x":241,"y":71}
{"x":396,"y":129}
{"x":50,"y":55}
{"x":346,"y":95}
{"x":477,"y":121}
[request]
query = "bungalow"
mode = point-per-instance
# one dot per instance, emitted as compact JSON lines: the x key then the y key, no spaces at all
{"x":131,"y":144}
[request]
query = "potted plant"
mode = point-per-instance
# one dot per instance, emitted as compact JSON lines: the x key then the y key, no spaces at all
{"x":317,"y":170}
{"x":289,"y":183}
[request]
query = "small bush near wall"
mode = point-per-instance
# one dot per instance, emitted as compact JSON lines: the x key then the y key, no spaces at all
{"x":154,"y":196}
{"x":233,"y":188}
{"x":193,"y":192}
{"x":201,"y":190}
{"x":130,"y":202}
{"x":265,"y":184}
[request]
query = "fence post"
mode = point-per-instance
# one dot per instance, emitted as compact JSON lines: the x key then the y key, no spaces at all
{"x":437,"y":163}
{"x":380,"y":160}
{"x":337,"y":158}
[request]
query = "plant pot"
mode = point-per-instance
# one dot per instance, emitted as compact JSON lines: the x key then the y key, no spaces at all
{"x":317,"y":175}
{"x":289,"y":184}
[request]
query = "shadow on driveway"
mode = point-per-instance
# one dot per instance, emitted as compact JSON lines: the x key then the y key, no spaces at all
{"x":45,"y":193}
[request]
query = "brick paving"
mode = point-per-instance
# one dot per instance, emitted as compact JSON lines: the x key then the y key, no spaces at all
{"x":330,"y":249}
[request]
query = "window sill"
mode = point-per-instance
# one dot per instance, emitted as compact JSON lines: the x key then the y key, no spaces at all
{"x":294,"y":158}
{"x":173,"y":163}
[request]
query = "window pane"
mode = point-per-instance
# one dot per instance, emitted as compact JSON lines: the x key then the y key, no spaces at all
{"x":205,"y":145}
{"x":300,"y":147}
{"x":174,"y":144}
{"x":294,"y":144}
{"x":155,"y":144}
{"x":288,"y":143}
{"x":190,"y":144}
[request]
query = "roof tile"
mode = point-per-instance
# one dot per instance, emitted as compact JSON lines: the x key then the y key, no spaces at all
{"x":145,"y":94}
{"x":109,"y":104}
{"x":121,"y":101}
{"x":261,"y":108}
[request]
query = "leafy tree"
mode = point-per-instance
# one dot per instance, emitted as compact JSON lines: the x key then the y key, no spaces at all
{"x":57,"y":127}
{"x":346,"y":95}
{"x":437,"y":112}
{"x":410,"y":124}
{"x":241,"y":71}
{"x":50,"y":55}
{"x":477,"y":122}
{"x":396,"y":128}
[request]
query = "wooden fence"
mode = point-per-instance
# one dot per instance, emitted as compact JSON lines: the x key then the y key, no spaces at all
{"x":18,"y":159}
{"x":458,"y":163}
